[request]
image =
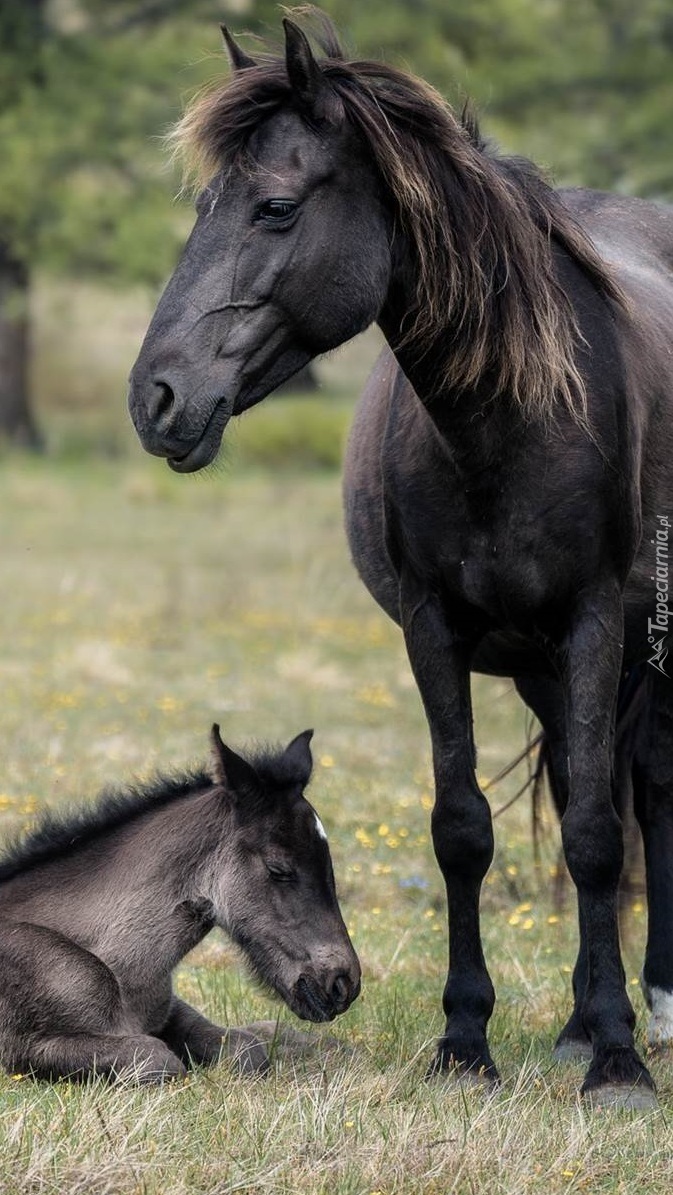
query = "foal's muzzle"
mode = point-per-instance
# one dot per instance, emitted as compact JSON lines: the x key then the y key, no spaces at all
{"x":315,"y":1001}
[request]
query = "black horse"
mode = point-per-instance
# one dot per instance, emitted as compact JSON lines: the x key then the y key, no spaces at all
{"x":509,"y":479}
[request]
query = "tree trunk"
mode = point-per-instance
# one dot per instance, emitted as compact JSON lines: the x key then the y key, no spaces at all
{"x":17,"y":425}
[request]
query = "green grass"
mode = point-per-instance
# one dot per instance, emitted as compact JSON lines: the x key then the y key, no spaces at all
{"x":137,"y":609}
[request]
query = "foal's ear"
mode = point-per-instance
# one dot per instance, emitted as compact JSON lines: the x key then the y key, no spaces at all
{"x":298,"y":755}
{"x":240,"y":61}
{"x":306,"y":77}
{"x":231,"y":771}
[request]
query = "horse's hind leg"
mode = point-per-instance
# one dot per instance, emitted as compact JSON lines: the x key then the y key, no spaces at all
{"x":590,"y":658}
{"x":195,"y":1039}
{"x":61,"y":1012}
{"x":653,"y":795}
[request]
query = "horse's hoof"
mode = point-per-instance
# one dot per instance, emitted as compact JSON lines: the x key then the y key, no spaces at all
{"x":152,"y":1072}
{"x":478,"y":1081}
{"x":572,"y":1049}
{"x":640,"y":1098}
{"x":483,"y":1078}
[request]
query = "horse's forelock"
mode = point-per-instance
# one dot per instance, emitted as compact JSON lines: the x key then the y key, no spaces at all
{"x":481,"y":231}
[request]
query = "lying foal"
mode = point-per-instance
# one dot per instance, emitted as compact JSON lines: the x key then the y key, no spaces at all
{"x":98,"y":907}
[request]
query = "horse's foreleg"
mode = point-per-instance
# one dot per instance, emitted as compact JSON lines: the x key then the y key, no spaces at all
{"x":653,"y":795}
{"x":544,"y":696}
{"x":461,"y":825}
{"x":195,"y":1039}
{"x":590,"y":660}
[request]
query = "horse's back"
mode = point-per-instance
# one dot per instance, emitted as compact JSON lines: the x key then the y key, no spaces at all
{"x":627,"y":231}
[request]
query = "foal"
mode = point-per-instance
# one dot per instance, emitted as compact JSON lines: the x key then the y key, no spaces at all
{"x":97,"y":908}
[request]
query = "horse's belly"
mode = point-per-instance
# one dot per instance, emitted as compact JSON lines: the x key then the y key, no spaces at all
{"x":363,"y":488}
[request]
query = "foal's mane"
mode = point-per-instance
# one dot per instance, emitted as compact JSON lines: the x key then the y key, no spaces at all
{"x":481,"y":228}
{"x":57,"y":832}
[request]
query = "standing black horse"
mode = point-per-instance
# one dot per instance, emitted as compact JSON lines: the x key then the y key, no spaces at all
{"x":509,"y":480}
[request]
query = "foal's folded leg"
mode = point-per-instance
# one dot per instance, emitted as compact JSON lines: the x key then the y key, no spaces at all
{"x":140,"y":1058}
{"x":62,"y":1015}
{"x":196,"y":1039}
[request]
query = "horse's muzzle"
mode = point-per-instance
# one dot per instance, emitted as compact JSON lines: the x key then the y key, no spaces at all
{"x":186,"y":433}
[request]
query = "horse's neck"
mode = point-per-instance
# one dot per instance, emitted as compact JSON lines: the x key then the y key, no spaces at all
{"x":474,"y":426}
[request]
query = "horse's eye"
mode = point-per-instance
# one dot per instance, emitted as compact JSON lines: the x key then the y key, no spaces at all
{"x":275,"y":213}
{"x":283,"y":875}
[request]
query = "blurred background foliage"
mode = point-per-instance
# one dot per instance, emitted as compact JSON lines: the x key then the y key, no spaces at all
{"x":88,"y":198}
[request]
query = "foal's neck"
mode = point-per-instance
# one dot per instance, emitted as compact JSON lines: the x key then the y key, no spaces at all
{"x":147,"y":899}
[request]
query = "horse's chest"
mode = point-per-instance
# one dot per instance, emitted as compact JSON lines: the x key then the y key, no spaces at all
{"x":486,"y":561}
{"x":508,"y":586}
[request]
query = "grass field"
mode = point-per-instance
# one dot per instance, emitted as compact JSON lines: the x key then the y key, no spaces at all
{"x":137,"y":609}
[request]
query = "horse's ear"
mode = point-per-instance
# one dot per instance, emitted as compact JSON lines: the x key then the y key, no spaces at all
{"x":240,"y":61}
{"x":231,"y":771}
{"x":298,"y":755}
{"x":306,"y":77}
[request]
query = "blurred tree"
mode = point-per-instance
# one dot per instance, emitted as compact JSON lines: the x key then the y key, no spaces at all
{"x":86,"y":86}
{"x":21,"y":28}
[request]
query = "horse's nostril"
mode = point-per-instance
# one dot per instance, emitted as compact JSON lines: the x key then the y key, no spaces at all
{"x":163,"y":400}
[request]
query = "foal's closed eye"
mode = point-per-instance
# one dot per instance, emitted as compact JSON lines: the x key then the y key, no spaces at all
{"x":281,"y":874}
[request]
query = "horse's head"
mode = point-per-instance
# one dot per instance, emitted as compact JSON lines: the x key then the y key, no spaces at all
{"x":272,"y":884}
{"x":289,"y":256}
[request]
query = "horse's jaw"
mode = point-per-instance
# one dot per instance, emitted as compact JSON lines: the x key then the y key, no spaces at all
{"x":204,"y":450}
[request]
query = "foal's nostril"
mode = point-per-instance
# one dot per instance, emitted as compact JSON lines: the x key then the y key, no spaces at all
{"x":341,"y":990}
{"x":163,"y":401}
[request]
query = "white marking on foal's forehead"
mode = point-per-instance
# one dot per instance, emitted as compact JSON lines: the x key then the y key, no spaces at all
{"x":319,"y":826}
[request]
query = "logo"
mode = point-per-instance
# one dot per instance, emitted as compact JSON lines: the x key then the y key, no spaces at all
{"x":658,"y":658}
{"x":657,"y":627}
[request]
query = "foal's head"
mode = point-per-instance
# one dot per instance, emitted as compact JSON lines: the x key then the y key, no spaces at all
{"x":273,"y":890}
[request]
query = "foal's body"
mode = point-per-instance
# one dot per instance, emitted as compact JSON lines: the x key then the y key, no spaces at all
{"x":93,"y":941}
{"x":90,"y":934}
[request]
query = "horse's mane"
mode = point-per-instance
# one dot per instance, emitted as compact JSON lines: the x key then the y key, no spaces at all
{"x":481,"y":227}
{"x":58,"y":831}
